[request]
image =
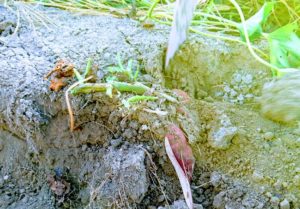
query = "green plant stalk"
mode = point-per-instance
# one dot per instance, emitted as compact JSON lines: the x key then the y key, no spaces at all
{"x":137,"y":88}
{"x":88,"y":67}
{"x":77,"y":75}
{"x":138,"y":98}
{"x":87,"y":88}
{"x":149,"y":14}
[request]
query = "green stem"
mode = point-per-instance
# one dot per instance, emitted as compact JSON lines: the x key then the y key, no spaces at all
{"x":136,"y":99}
{"x":88,"y":88}
{"x":149,"y":14}
{"x":88,"y":67}
{"x":77,"y":75}
{"x":137,"y":88}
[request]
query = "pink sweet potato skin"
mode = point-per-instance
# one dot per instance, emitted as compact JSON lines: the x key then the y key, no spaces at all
{"x":181,"y":149}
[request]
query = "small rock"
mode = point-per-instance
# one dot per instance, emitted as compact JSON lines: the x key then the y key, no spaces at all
{"x":25,"y":199}
{"x":84,"y":147}
{"x":84,"y":196}
{"x":161,"y":198}
{"x":5,"y":177}
{"x":91,"y":156}
{"x":297,"y":180}
{"x":144,"y":127}
{"x":285,"y":204}
{"x":215,"y":179}
{"x":259,"y":130}
{"x":198,"y":206}
{"x":116,"y":143}
{"x":238,"y":78}
{"x":284,"y":184}
{"x":179,"y":204}
{"x":233,"y":93}
{"x":257,"y":176}
{"x":151,"y":207}
{"x":274,"y":201}
{"x":221,"y":138}
{"x":278,"y":185}
{"x":134,"y":125}
{"x":269,"y":136}
{"x":219,"y":202}
{"x":227,"y":89}
{"x":7,"y":196}
{"x":247,"y":78}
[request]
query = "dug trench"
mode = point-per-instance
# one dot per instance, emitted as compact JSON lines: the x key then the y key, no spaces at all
{"x":116,"y":157}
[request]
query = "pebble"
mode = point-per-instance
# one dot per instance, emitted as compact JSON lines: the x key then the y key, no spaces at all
{"x":221,"y":138}
{"x":274,"y":201}
{"x":238,"y":78}
{"x":296,"y":180}
{"x":215,"y":179}
{"x":7,"y":197}
{"x":257,"y":176}
{"x":198,"y":206}
{"x":218,"y":201}
{"x":25,"y":199}
{"x":285,"y":204}
{"x":161,"y":198}
{"x":116,"y":143}
{"x":84,"y":147}
{"x":247,"y":78}
{"x":91,"y":157}
{"x":268,"y":136}
{"x":278,"y":185}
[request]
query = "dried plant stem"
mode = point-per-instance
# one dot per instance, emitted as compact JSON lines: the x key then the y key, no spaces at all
{"x":71,"y":115}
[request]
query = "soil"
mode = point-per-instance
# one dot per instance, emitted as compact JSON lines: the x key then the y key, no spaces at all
{"x":116,"y":158}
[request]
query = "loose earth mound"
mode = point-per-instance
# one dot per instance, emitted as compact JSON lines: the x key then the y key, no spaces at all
{"x":115,"y":157}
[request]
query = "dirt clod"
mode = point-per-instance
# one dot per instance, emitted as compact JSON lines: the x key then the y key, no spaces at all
{"x":285,"y":204}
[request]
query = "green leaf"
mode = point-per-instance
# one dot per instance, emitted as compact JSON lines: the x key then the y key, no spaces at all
{"x":78,"y":75}
{"x":136,"y":74}
{"x":278,"y":55}
{"x":88,"y":67}
{"x":120,"y":62}
{"x":254,"y":23}
{"x":281,"y":34}
{"x":284,"y":47}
